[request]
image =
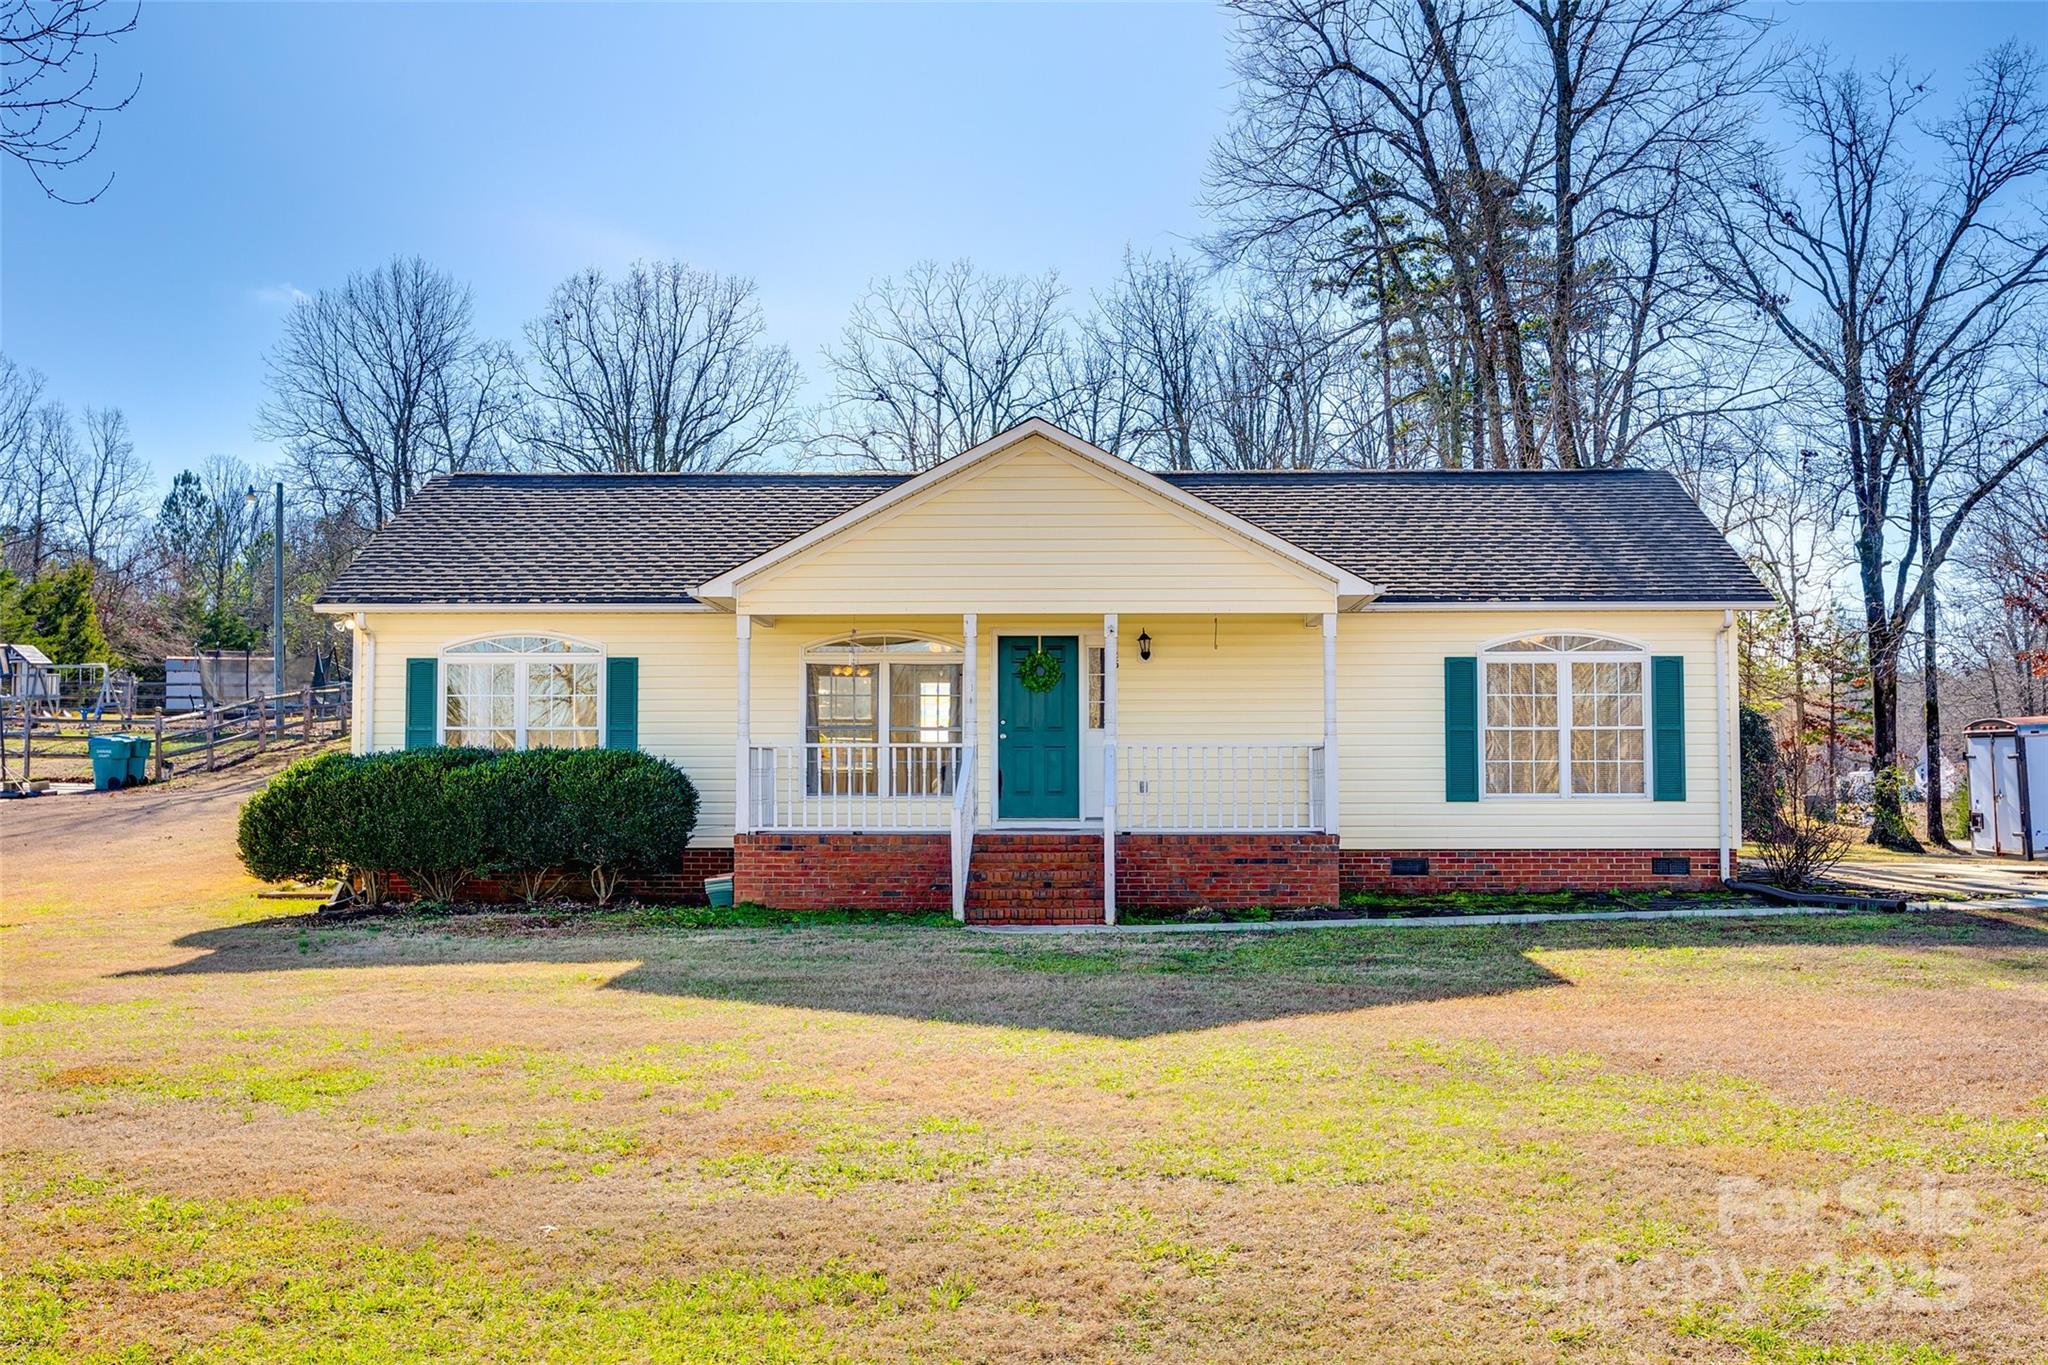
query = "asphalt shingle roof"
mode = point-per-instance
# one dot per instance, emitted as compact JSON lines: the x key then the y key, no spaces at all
{"x":1623,"y":535}
{"x":1440,"y":536}
{"x":592,"y":538}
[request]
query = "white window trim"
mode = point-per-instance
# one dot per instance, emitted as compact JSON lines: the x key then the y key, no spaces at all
{"x":519,"y":679}
{"x":818,"y":652}
{"x":1630,"y":652}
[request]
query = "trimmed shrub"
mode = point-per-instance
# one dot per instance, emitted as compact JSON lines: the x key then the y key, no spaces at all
{"x":290,"y":830}
{"x":397,"y":816}
{"x":622,"y":811}
{"x":525,"y":839}
{"x":443,"y":815}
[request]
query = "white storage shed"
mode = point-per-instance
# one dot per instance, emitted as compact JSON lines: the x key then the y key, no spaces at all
{"x":2009,"y":785}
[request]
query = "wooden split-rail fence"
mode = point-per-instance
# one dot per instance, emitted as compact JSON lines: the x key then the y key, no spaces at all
{"x":38,"y":747}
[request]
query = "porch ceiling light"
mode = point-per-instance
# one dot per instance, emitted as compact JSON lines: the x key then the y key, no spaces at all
{"x":1144,"y":645}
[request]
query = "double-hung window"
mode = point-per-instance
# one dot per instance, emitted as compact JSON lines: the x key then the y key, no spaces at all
{"x":521,"y":692}
{"x":882,"y":716}
{"x":1564,"y":716}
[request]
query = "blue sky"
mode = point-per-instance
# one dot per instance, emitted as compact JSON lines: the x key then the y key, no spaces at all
{"x":277,"y":147}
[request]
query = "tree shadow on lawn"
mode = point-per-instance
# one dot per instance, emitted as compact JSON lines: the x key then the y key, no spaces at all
{"x":1103,"y":986}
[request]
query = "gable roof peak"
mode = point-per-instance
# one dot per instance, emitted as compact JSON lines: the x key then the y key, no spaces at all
{"x":1350,"y":588}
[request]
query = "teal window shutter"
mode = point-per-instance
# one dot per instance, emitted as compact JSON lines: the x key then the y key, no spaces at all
{"x":1461,"y":729}
{"x":621,"y":703}
{"x":1667,"y":726}
{"x":420,"y":685}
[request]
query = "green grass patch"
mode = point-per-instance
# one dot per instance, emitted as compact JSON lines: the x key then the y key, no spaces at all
{"x":512,"y":920}
{"x":282,"y":1283}
{"x":763,"y":917}
{"x":1387,"y":905}
{"x":1450,"y":904}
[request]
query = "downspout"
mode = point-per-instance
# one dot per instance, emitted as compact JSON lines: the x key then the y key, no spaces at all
{"x":364,"y":687}
{"x":1721,"y":642}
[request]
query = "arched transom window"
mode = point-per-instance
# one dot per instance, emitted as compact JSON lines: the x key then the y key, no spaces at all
{"x":521,"y":692}
{"x":882,"y":715}
{"x":1564,"y":716}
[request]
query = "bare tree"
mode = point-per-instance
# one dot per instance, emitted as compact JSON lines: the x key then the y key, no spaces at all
{"x":1475,"y":174}
{"x":381,"y":383}
{"x":1793,"y":525}
{"x":1162,"y":327}
{"x":1287,"y":388}
{"x":31,"y":502}
{"x":1085,"y":372}
{"x":20,"y":391}
{"x":1884,"y":278}
{"x":1371,"y":150}
{"x":1357,"y":155}
{"x":51,"y":101}
{"x":1639,"y":93}
{"x":207,"y":527}
{"x":939,"y":361}
{"x":2003,"y":621}
{"x":663,"y":369}
{"x":100,"y":485}
{"x":24,"y":472}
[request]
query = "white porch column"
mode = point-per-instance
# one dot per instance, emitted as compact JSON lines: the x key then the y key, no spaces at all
{"x":743,"y":755}
{"x":1331,"y":820}
{"x":965,"y":801}
{"x":970,"y":713}
{"x":1109,"y":767}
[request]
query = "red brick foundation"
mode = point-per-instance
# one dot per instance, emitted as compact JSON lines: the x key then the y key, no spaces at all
{"x":1153,"y":872}
{"x":844,"y":871}
{"x":681,"y":885}
{"x":1225,"y":871}
{"x":1528,"y":869}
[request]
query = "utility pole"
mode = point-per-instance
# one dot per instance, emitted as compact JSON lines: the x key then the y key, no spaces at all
{"x":276,"y":606}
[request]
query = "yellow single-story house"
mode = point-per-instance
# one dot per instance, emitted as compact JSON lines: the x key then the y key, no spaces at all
{"x":1037,"y":682}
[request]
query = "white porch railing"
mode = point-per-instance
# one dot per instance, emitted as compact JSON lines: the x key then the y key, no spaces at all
{"x":966,"y":808}
{"x":1219,"y":787}
{"x":853,"y":786}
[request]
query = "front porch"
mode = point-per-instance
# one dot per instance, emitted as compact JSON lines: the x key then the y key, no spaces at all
{"x":1189,"y":761}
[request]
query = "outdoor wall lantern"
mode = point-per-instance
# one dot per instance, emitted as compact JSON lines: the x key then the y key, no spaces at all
{"x":1144,"y":645}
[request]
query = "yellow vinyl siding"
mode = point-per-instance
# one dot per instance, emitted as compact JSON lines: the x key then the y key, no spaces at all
{"x":1390,"y":722}
{"x":1227,"y":680}
{"x":1221,"y":680}
{"x":1213,"y":678}
{"x":1035,"y":530}
{"x":688,"y":683}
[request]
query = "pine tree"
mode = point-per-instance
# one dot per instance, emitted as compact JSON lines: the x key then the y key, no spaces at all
{"x":56,"y":614}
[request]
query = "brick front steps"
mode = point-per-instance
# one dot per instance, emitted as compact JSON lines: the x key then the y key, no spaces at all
{"x":1035,"y":879}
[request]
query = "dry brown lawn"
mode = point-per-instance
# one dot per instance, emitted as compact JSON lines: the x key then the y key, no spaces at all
{"x":233,"y":1132}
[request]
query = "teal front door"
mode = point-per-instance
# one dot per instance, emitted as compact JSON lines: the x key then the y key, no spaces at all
{"x":1038,"y":734}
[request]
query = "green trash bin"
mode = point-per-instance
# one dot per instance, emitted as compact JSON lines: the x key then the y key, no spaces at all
{"x":109,"y":754}
{"x":718,"y":890}
{"x":139,"y":747}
